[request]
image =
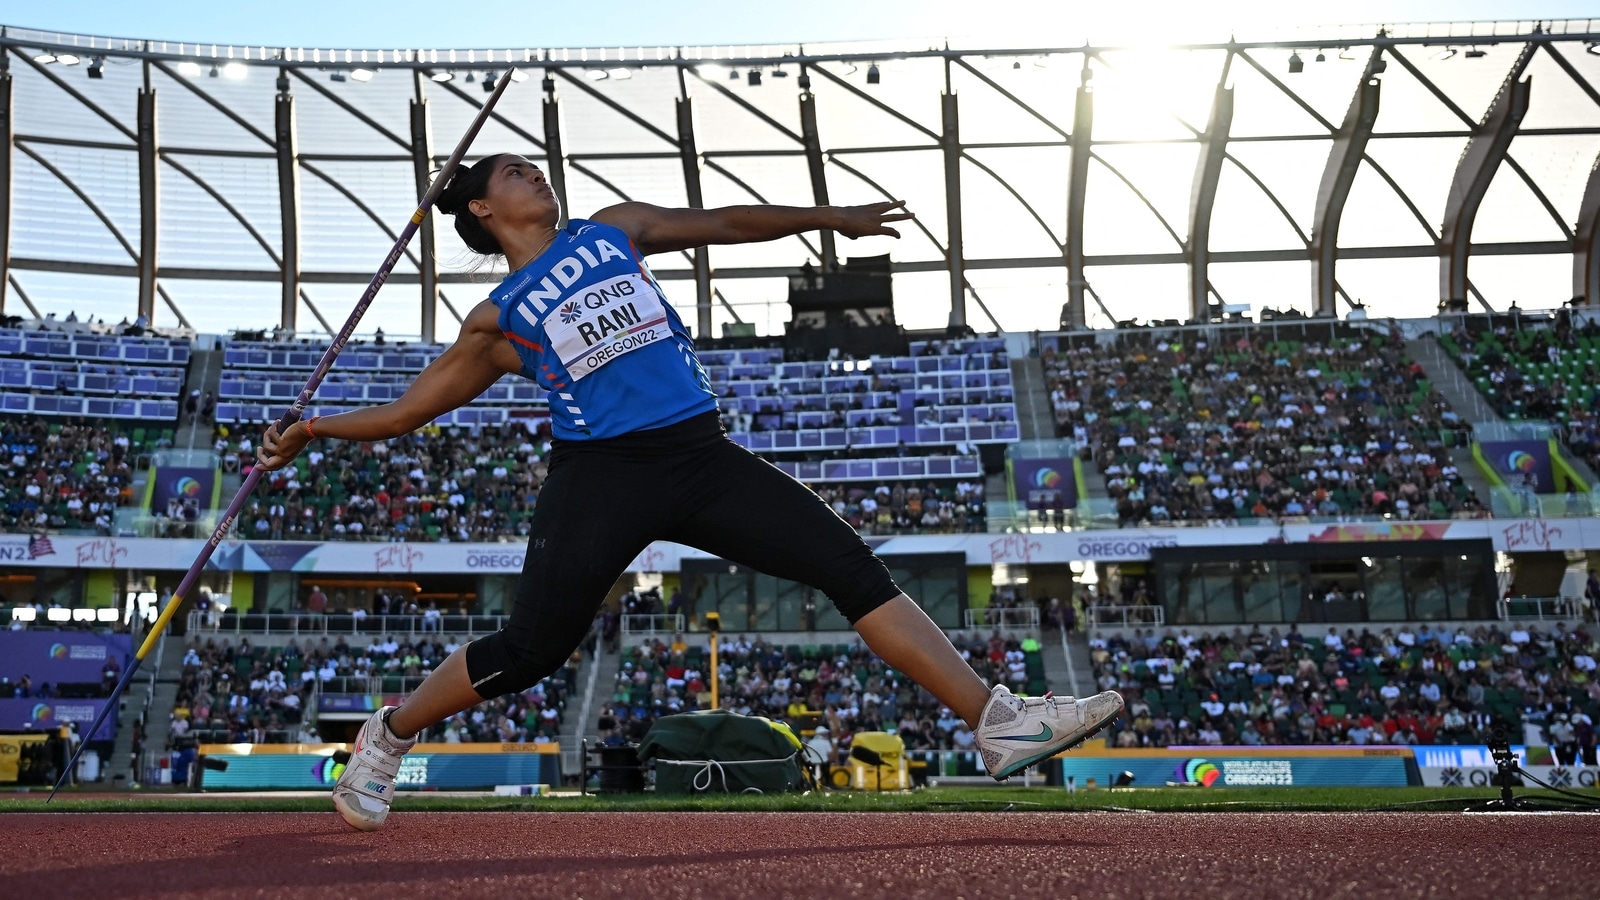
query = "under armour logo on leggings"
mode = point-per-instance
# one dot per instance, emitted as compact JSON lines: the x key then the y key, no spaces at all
{"x":538,"y":543}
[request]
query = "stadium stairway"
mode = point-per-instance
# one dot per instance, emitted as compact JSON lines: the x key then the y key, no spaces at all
{"x":1463,"y":396}
{"x":157,"y":711}
{"x":1036,"y":420}
{"x":1066,"y":662}
{"x":598,"y":674}
{"x":205,"y":374}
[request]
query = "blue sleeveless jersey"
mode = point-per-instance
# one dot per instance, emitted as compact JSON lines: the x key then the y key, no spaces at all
{"x":594,"y":329}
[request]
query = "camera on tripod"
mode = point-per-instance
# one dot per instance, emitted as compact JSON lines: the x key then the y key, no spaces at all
{"x":1505,"y":761}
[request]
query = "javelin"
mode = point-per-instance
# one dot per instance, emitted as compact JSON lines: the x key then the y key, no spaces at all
{"x":291,"y":417}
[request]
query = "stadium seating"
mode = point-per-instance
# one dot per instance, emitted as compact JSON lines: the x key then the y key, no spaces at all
{"x":1253,"y":427}
{"x":65,"y":476}
{"x":256,"y":694}
{"x":1395,"y":685}
{"x":80,"y":373}
{"x":1543,"y":370}
{"x":842,"y":687}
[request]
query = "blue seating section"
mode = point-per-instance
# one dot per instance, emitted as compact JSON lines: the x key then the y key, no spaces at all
{"x":99,"y":407}
{"x":963,"y":396}
{"x":144,"y":381}
{"x":141,"y":377}
{"x":303,"y":356}
{"x":82,"y":347}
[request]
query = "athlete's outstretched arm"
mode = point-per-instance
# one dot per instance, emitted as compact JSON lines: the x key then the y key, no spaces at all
{"x":657,"y":229}
{"x":466,"y":368}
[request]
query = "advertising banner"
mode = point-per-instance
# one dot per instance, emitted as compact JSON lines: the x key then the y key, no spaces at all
{"x":1099,"y":545}
{"x":1521,"y":463}
{"x":1212,"y":767}
{"x":1044,"y":483}
{"x":61,"y":657}
{"x":178,"y":487}
{"x":1483,"y":776}
{"x":454,"y":766}
{"x":32,"y":714}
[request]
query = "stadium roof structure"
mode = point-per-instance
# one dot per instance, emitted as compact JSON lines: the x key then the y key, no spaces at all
{"x":1397,"y":169}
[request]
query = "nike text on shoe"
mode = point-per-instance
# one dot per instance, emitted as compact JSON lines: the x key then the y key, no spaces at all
{"x":366,"y":788}
{"x":1016,"y":732}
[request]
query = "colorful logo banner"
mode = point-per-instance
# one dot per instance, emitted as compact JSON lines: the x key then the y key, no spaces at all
{"x":1521,"y":463}
{"x":1044,"y":483}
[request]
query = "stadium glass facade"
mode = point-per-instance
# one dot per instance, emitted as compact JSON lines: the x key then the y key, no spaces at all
{"x":1394,"y":167}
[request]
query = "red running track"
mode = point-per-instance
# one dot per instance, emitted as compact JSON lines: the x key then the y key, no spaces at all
{"x":776,"y":855}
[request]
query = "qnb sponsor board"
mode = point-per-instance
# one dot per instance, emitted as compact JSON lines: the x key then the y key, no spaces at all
{"x":1293,"y":767}
{"x":61,"y":656}
{"x":1483,"y":776}
{"x":453,"y":766}
{"x":1468,"y":756}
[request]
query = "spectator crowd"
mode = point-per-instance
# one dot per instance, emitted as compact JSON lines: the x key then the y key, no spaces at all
{"x":1401,"y":685}
{"x":64,"y":475}
{"x":1537,"y":369}
{"x":831,"y":691}
{"x":240,"y":693}
{"x":1244,"y":426}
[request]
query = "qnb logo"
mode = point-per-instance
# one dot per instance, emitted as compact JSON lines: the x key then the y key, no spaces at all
{"x":43,"y":713}
{"x":1047,"y":478}
{"x":570,"y":312}
{"x":1198,"y":771}
{"x":58,"y":651}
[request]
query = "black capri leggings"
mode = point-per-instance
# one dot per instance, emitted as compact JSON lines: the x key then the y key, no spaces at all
{"x":605,"y":501}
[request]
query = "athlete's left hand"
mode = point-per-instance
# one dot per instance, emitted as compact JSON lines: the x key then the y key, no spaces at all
{"x":860,"y":221}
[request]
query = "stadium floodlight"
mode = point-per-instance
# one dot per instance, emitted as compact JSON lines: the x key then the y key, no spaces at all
{"x":1296,"y":64}
{"x":58,"y":614}
{"x":518,"y":76}
{"x":1476,"y":53}
{"x":336,"y":76}
{"x":1593,"y":47}
{"x":362,"y":75}
{"x":83,"y":614}
{"x":24,"y":614}
{"x":1447,"y":53}
{"x":45,"y":58}
{"x":620,"y":74}
{"x":97,"y":67}
{"x":190,"y":69}
{"x":873,"y":74}
{"x":471,"y":78}
{"x":215,"y":70}
{"x":67,"y":59}
{"x":1322,"y":57}
{"x":753,"y":78}
{"x":235,"y":71}
{"x":778,"y":72}
{"x":488,"y":82}
{"x":106,"y":614}
{"x":597,"y":74}
{"x":733,"y":74}
{"x":442,"y":77}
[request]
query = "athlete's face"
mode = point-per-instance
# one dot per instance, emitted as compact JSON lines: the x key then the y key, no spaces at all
{"x":518,"y":195}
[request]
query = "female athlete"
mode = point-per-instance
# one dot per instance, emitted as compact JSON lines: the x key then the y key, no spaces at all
{"x":640,"y":455}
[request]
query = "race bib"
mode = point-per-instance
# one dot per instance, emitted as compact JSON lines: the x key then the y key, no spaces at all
{"x":606,"y":321}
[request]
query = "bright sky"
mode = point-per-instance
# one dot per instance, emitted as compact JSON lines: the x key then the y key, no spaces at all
{"x":411,"y":23}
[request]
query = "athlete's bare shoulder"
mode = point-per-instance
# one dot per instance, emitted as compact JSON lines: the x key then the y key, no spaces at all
{"x":485,"y":317}
{"x":481,"y":334}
